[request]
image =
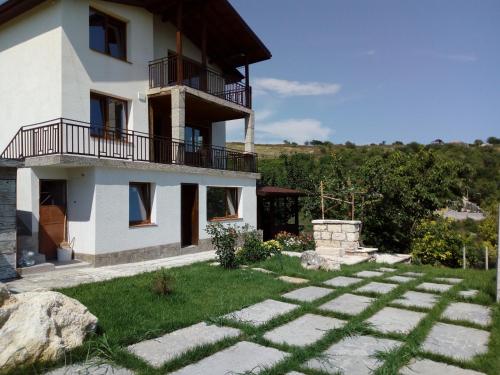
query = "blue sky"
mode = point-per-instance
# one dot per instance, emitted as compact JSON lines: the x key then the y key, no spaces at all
{"x":371,"y":71}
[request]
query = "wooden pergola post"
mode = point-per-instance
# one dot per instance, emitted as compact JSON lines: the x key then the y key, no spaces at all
{"x":247,"y":84}
{"x":204,"y":72}
{"x":180,"y":65}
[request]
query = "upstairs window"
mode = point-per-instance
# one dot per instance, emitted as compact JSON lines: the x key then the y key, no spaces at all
{"x":107,"y":34}
{"x":108,"y":116}
{"x":222,"y":203}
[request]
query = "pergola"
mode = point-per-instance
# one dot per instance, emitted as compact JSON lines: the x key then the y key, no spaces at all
{"x":277,"y":210}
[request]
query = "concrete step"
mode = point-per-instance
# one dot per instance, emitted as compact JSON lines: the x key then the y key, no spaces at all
{"x":37,"y":268}
{"x":362,"y":251}
{"x":392,"y":258}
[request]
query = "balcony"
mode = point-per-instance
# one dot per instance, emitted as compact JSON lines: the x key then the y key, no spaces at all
{"x":166,"y":72}
{"x":70,"y":137}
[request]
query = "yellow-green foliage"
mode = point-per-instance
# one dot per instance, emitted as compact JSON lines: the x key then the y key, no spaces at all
{"x":435,"y":242}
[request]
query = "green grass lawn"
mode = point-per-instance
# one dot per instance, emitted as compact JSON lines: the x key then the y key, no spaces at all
{"x":129,"y":312}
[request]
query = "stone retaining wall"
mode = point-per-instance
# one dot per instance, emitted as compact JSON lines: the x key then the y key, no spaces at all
{"x":337,"y":234}
{"x":8,"y":243}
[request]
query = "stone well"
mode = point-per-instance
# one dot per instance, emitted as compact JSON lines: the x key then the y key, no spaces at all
{"x":335,"y":237}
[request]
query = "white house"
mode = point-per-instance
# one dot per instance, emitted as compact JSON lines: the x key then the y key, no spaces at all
{"x":126,"y":156}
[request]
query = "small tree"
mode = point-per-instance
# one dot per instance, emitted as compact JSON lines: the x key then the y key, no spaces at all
{"x":224,"y":239}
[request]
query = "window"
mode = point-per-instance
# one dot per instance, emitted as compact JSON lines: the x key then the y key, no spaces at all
{"x":139,"y":203}
{"x":107,"y":34}
{"x":108,"y":116}
{"x":222,"y":203}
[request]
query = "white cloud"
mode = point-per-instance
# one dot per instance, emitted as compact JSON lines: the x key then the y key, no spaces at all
{"x":295,"y":130}
{"x":370,"y":52}
{"x":263,"y":114}
{"x":293,"y":88}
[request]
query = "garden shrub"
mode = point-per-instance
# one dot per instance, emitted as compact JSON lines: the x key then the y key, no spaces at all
{"x":435,"y":242}
{"x":163,"y":283}
{"x":224,"y":239}
{"x":252,"y":249}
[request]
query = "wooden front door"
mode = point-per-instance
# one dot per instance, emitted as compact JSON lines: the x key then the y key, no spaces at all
{"x":52,"y":228}
{"x":189,"y":215}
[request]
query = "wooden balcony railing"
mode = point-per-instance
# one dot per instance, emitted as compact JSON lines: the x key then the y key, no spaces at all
{"x":163,"y":73}
{"x":70,"y":137}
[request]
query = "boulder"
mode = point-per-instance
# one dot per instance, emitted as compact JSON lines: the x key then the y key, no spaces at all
{"x":311,"y":260}
{"x":41,"y":326}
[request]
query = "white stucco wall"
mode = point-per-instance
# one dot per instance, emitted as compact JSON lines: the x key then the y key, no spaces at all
{"x":111,"y":202}
{"x":30,"y":69}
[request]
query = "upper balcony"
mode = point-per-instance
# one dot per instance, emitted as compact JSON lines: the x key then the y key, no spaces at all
{"x":172,"y":70}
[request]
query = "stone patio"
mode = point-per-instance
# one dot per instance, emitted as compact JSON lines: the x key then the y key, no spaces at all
{"x":349,"y":304}
{"x":261,"y":313}
{"x":428,"y":367}
{"x":342,"y":281}
{"x":378,"y":288}
{"x":457,"y":342}
{"x":304,"y":331}
{"x":353,"y":356}
{"x":477,"y":314}
{"x":417,"y":299}
{"x":368,"y":274}
{"x":244,"y":357}
{"x":400,"y":279}
{"x":166,"y":348}
{"x":433,"y":287}
{"x":391,"y":320}
{"x":308,"y":294}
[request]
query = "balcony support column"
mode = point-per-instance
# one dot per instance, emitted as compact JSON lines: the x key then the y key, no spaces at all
{"x":178,"y":38}
{"x":250,"y":132}
{"x":178,"y":104}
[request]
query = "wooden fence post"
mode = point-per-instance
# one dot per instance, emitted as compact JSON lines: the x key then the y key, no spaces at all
{"x":464,"y":257}
{"x":486,"y":259}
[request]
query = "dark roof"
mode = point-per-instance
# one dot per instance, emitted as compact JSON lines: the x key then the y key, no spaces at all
{"x":275,"y":191}
{"x":230,"y":41}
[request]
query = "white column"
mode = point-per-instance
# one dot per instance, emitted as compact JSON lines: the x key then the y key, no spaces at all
{"x":250,"y":132}
{"x":178,"y":113}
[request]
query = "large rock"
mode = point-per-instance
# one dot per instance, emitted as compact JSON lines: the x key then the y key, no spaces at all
{"x":41,"y":326}
{"x":311,"y":260}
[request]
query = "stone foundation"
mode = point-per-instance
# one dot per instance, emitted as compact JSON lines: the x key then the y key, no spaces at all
{"x":8,"y":242}
{"x":335,"y":237}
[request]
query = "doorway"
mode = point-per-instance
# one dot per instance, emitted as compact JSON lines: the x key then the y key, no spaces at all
{"x":189,"y":215}
{"x":52,"y":228}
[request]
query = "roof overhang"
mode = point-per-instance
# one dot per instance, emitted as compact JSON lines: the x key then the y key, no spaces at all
{"x":231,"y":43}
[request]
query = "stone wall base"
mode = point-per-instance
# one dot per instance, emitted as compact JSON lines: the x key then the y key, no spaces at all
{"x":143,"y":254}
{"x":335,"y":237}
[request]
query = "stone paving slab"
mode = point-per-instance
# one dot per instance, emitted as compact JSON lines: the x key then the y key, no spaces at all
{"x":308,"y":294}
{"x":469,"y":312}
{"x":353,"y":356}
{"x":261,"y":312}
{"x":349,"y":304}
{"x":417,"y":299}
{"x":242,"y":358}
{"x":263,"y":270}
{"x":304,"y":331}
{"x":295,"y":373}
{"x":90,"y":368}
{"x":293,"y":280}
{"x":368,"y":274}
{"x":166,"y":348}
{"x":374,"y":287}
{"x":471,"y":293}
{"x":414,"y":274}
{"x":391,"y":320}
{"x":342,"y":281}
{"x":386,"y":269}
{"x":449,"y":280}
{"x":428,"y":367}
{"x":433,"y":287}
{"x":457,"y":342}
{"x":400,"y":279}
